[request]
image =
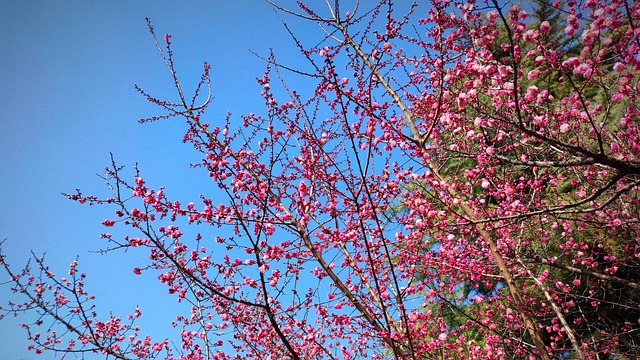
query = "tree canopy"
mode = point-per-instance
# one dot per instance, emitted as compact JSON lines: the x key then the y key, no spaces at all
{"x":460,"y":180}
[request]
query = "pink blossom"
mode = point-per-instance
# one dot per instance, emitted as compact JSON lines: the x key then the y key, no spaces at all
{"x":492,"y":15}
{"x":617,"y":97}
{"x":504,"y":70}
{"x":529,"y":35}
{"x":533,"y":74}
{"x":571,"y":62}
{"x":569,"y":30}
{"x":544,"y":27}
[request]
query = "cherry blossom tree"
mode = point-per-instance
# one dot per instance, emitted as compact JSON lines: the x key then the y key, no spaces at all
{"x":461,"y":181}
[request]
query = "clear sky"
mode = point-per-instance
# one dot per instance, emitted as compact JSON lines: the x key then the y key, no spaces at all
{"x":67,"y":75}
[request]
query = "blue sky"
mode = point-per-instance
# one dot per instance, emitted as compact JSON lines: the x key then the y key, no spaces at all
{"x":67,"y":95}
